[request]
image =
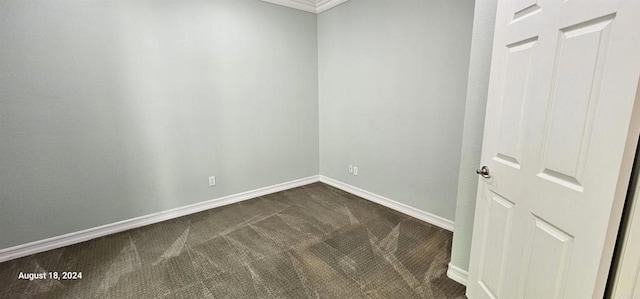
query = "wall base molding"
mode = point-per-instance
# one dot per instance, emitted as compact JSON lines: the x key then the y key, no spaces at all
{"x":457,"y":274}
{"x":394,"y":205}
{"x":116,"y":227}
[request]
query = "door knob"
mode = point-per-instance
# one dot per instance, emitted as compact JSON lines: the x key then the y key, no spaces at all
{"x":484,"y":172}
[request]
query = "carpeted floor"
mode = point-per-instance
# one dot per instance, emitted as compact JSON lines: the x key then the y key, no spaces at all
{"x":310,"y":242}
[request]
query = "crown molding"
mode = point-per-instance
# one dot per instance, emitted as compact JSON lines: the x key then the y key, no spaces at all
{"x":322,"y":5}
{"x":313,"y":6}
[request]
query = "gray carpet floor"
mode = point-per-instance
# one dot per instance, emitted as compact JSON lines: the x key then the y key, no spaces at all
{"x":313,"y":241}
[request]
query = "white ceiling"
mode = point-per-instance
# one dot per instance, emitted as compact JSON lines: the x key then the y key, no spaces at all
{"x":314,"y":6}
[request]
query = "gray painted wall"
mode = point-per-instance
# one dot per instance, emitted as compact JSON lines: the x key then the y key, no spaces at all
{"x":115,"y":109}
{"x":481,"y":45}
{"x":392,"y":82}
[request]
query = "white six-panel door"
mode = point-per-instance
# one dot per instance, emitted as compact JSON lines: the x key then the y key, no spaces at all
{"x":560,"y":135}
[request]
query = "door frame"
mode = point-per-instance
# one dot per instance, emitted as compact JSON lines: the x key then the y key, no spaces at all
{"x":626,"y":259}
{"x":622,"y":189}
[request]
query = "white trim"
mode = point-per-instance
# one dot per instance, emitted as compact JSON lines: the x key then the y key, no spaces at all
{"x":112,"y":228}
{"x":308,"y":6}
{"x":457,"y":274}
{"x":314,"y":6}
{"x":323,"y":5}
{"x":400,"y":207}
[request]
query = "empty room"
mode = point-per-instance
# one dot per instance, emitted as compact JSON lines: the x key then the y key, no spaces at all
{"x":319,"y":149}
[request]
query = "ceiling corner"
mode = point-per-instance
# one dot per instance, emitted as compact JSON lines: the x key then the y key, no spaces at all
{"x":314,"y":6}
{"x":322,"y":5}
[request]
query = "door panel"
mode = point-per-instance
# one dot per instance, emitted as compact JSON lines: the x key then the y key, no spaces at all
{"x":523,"y":8}
{"x":519,"y":62}
{"x":546,"y":261}
{"x":558,"y":132}
{"x":575,"y":92}
{"x":498,"y":220}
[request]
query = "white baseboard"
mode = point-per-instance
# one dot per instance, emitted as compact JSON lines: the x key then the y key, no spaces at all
{"x":112,"y":228}
{"x":116,"y":227}
{"x":400,"y":207}
{"x":457,"y":274}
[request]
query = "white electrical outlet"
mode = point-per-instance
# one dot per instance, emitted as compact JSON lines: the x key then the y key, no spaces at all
{"x":350,"y":168}
{"x":355,"y":170}
{"x":212,"y":181}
